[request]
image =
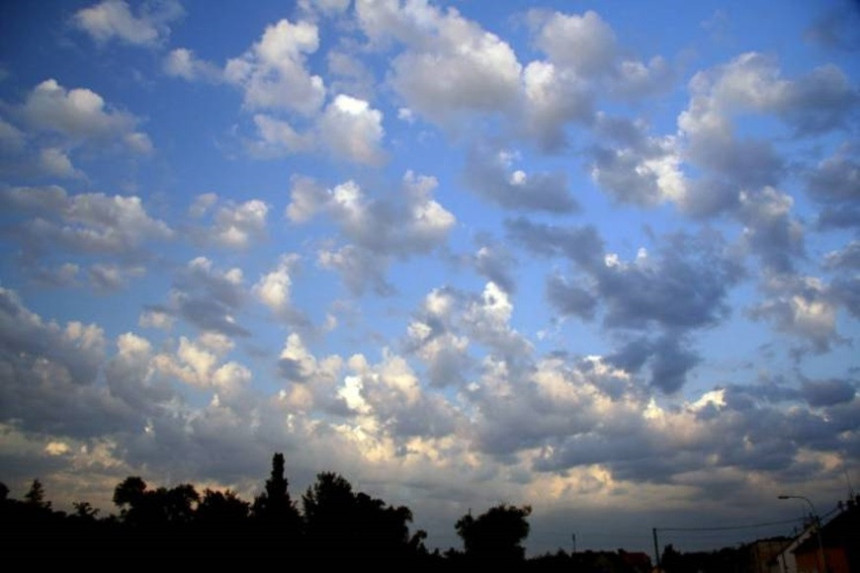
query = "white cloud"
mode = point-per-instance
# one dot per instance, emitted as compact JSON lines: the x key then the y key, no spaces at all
{"x":110,"y":277}
{"x":800,"y":306}
{"x":156,"y":319}
{"x":12,"y":139}
{"x":272,"y":72}
{"x":353,"y":130}
{"x":113,"y":19}
{"x":82,"y":115}
{"x":182,"y":63}
{"x":273,"y":288}
{"x":553,"y":97}
{"x":307,"y":198}
{"x":57,"y":163}
{"x":586,"y":44}
{"x":277,"y":138}
{"x":450,"y":66}
{"x":235,"y":226}
{"x":378,"y":230}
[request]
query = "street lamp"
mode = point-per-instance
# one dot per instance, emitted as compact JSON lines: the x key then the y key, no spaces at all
{"x":822,"y":567}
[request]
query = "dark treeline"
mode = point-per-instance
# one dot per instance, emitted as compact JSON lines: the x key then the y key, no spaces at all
{"x":331,"y":522}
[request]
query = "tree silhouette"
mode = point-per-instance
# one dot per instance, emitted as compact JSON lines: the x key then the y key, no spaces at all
{"x":36,"y":495}
{"x":497,"y":534}
{"x":337,"y":519}
{"x":274,"y":512}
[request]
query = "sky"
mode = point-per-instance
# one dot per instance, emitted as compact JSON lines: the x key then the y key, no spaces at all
{"x":601,"y":258}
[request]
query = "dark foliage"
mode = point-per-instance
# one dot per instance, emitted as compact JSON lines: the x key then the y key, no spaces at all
{"x":497,"y":534}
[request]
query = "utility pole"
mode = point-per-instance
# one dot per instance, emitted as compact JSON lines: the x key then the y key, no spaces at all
{"x":656,"y":546}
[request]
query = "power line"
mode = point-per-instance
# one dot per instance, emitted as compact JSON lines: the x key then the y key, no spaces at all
{"x":730,"y":527}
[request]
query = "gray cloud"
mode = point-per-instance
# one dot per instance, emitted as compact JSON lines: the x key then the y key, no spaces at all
{"x":681,"y":289}
{"x":583,"y":245}
{"x":84,"y":223}
{"x":770,"y":231}
{"x":49,"y":375}
{"x":669,"y":359}
{"x":800,"y":306}
{"x":494,"y":262}
{"x":379,"y":229}
{"x":570,"y":299}
{"x":491,"y":176}
{"x":821,"y":101}
{"x":828,"y":392}
{"x":207,"y":298}
{"x":835,"y":183}
{"x":81,"y":116}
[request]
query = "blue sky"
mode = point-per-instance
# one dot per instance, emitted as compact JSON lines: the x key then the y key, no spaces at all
{"x":597,"y":257}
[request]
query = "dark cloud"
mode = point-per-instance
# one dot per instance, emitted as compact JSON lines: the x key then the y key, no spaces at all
{"x":847,"y":259}
{"x":847,"y":292}
{"x":770,"y":230}
{"x":570,"y":299}
{"x":682,"y":288}
{"x":835,"y":183}
{"x":49,"y":375}
{"x":685,"y":286}
{"x":583,"y":245}
{"x":819,"y":102}
{"x":669,"y":359}
{"x":828,"y":392}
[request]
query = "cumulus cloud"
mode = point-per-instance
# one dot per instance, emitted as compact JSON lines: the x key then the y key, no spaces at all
{"x":496,"y":263}
{"x":274,"y":289}
{"x":753,"y":84}
{"x":450,"y":320}
{"x":235,"y":226}
{"x":111,"y":277}
{"x":81,"y":115}
{"x":272,"y":73}
{"x":277,"y":138}
{"x":183,"y":63}
{"x":56,"y":162}
{"x":353,"y":130}
{"x":800,"y":306}
{"x":635,"y":167}
{"x":552,"y":98}
{"x":50,"y":374}
{"x":491,"y":176}
{"x":835,"y":184}
{"x":207,"y":297}
{"x":683,"y":288}
{"x":199,"y":365}
{"x":828,"y":392}
{"x":584,"y":43}
{"x":113,"y":19}
{"x":769,"y":229}
{"x":378,"y":229}
{"x":450,"y":66}
{"x":87,"y":222}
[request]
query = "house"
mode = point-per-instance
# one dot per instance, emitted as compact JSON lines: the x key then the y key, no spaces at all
{"x":840,"y":545}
